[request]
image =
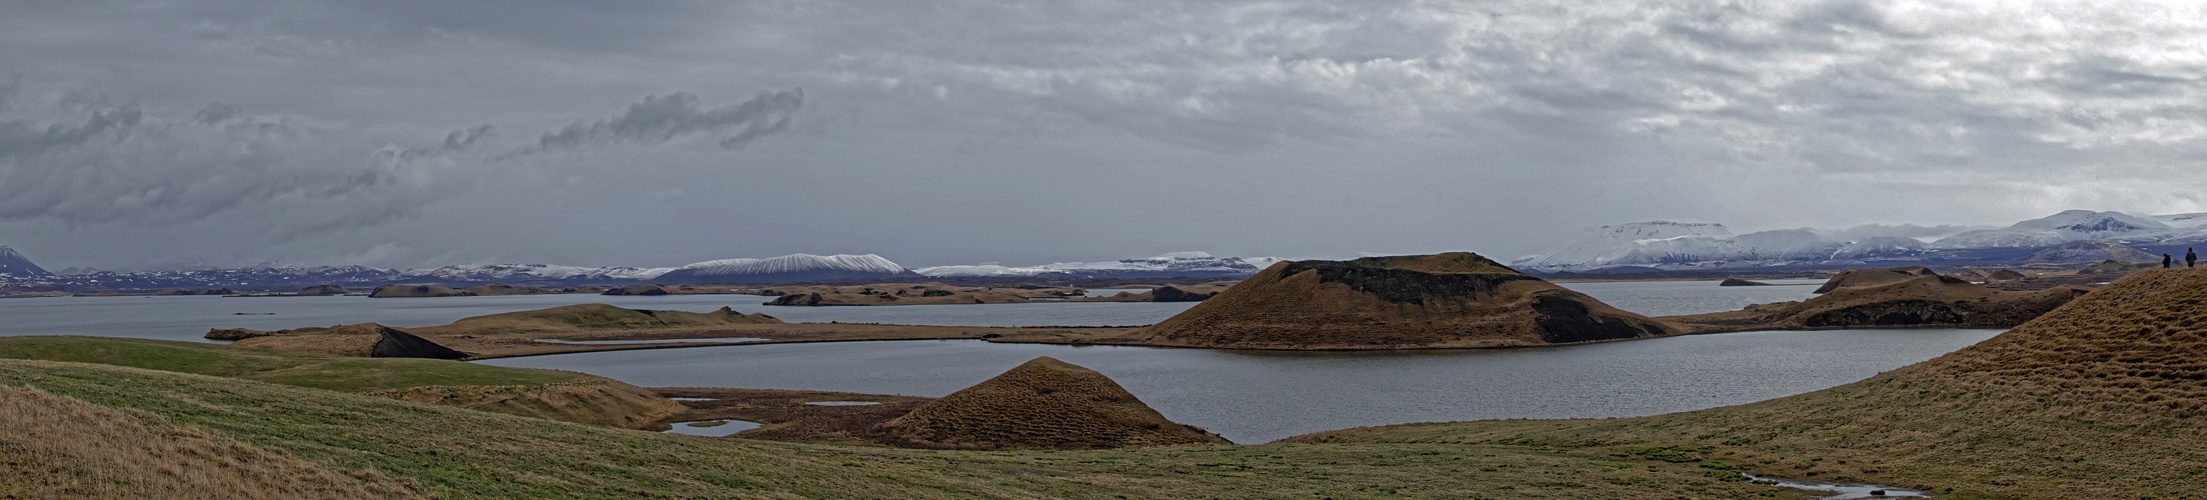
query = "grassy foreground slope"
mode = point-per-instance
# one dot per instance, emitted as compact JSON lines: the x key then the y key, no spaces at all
{"x":460,"y":453}
{"x":2105,"y":397}
{"x":549,"y":394}
{"x":320,"y":371}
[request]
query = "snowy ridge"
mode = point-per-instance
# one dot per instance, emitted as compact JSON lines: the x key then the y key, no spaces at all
{"x":2061,"y":228}
{"x":15,"y":265}
{"x":793,"y":267}
{"x":1175,"y":264}
{"x":529,"y":272}
{"x":1701,"y":245}
{"x":801,"y":262}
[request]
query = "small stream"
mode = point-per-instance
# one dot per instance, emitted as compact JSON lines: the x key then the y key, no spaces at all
{"x":1839,"y":491}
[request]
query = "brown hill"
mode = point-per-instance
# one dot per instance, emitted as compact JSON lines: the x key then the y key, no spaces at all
{"x":1456,"y":299}
{"x":2003,"y":275}
{"x":1921,"y":301}
{"x":588,"y":317}
{"x":2118,"y":267}
{"x":2100,"y":398}
{"x":1873,"y":277}
{"x":368,"y":340}
{"x":1043,"y":404}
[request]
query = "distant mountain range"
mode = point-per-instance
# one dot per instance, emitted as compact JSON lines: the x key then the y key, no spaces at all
{"x":1176,"y":264}
{"x":2068,"y":237}
{"x":2075,"y":236}
{"x":19,"y":274}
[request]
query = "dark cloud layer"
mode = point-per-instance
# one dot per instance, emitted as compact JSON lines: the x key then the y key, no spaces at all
{"x":958,"y":131}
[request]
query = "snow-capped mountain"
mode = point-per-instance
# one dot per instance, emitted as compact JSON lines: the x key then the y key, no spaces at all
{"x":2089,"y":252}
{"x":536,"y":272}
{"x":794,"y":267}
{"x":1635,"y":243}
{"x":2061,"y":228}
{"x":1703,"y":245}
{"x":1175,"y":264}
{"x":2084,"y":235}
{"x":15,"y":265}
{"x":1881,"y":246}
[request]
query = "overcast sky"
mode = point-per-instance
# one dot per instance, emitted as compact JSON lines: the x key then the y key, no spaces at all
{"x":415,"y":133}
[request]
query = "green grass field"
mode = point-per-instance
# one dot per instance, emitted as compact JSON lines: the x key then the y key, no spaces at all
{"x":320,"y":371}
{"x":469,"y":454}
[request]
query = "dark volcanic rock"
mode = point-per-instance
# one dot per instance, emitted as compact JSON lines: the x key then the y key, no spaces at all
{"x":1741,"y":282}
{"x":803,"y":299}
{"x":643,"y":290}
{"x":1171,"y":294}
{"x":323,"y":290}
{"x":399,"y":344}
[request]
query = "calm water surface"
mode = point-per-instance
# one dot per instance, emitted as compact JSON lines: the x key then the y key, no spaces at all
{"x":189,"y":317}
{"x":1260,"y":396}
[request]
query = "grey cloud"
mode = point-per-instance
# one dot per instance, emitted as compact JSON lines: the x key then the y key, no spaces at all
{"x":217,"y":112}
{"x":661,"y":118}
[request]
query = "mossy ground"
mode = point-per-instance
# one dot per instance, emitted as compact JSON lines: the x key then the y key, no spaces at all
{"x":468,"y":454}
{"x":320,"y":371}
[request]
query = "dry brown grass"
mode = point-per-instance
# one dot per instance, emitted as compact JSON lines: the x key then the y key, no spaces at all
{"x":1451,"y":300}
{"x":60,"y":447}
{"x":2105,"y":397}
{"x":1043,"y":404}
{"x":590,"y":401}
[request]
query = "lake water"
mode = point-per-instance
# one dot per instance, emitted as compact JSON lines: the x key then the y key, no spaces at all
{"x":1260,"y":396}
{"x":189,"y":317}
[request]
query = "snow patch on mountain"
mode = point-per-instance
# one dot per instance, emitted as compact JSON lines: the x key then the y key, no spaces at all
{"x":15,"y":265}
{"x":1175,"y":264}
{"x":531,"y":272}
{"x":2067,"y":226}
{"x":1881,"y":247}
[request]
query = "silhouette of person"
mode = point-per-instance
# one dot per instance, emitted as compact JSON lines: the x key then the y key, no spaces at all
{"x":2189,"y":257}
{"x":2165,"y":264}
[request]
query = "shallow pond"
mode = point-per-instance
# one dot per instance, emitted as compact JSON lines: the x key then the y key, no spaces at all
{"x":1260,"y":396}
{"x":712,"y":428}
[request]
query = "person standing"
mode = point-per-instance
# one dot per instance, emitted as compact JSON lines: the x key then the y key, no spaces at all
{"x":2165,"y":264}
{"x":2189,"y":257}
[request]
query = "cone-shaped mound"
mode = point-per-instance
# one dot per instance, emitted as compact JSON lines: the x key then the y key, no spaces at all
{"x":1043,"y":404}
{"x":2003,"y":275}
{"x":1921,"y":301}
{"x":1873,"y":277}
{"x":1456,"y":299}
{"x":2101,"y":398}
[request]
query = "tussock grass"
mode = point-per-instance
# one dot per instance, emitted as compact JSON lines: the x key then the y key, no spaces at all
{"x":320,"y":371}
{"x":557,"y":395}
{"x":459,"y":453}
{"x":2105,"y":397}
{"x":59,"y":447}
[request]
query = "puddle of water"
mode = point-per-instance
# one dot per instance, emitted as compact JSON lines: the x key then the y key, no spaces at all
{"x":658,"y":341}
{"x":712,"y":429}
{"x":695,"y":399}
{"x":1840,"y":491}
{"x":843,"y":403}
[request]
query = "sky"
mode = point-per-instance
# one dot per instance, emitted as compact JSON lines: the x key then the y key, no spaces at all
{"x":139,"y":135}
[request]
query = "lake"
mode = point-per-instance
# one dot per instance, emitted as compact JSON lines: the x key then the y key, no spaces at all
{"x":189,"y":317}
{"x":1260,"y":396}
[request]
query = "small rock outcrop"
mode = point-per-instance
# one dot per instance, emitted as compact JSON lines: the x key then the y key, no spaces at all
{"x":2003,"y":275}
{"x":188,"y":291}
{"x":1044,"y":404}
{"x":643,"y":290}
{"x":412,"y":291}
{"x":323,"y":290}
{"x":1404,"y":302}
{"x":1175,"y":294}
{"x":1741,"y":282}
